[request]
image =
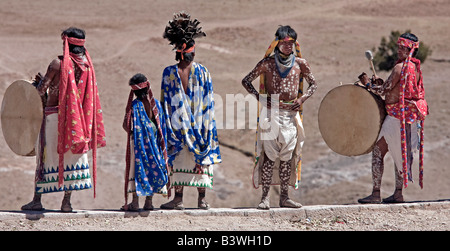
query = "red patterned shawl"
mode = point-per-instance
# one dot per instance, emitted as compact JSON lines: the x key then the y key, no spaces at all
{"x":80,"y":119}
{"x":416,"y":108}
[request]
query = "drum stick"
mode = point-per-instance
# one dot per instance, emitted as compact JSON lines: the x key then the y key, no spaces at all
{"x":369,"y":56}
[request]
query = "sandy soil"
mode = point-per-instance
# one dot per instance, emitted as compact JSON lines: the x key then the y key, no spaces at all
{"x":430,"y":216}
{"x":124,"y":39}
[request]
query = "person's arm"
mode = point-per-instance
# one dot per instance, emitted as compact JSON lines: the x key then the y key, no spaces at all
{"x":45,"y":81}
{"x":125,"y":122}
{"x":309,"y":77}
{"x":378,"y":85}
{"x":256,"y":72}
{"x":392,"y":80}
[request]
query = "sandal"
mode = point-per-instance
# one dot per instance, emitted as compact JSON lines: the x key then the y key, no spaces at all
{"x":202,"y":204}
{"x":67,"y":208}
{"x":148,"y":204}
{"x":33,"y":206}
{"x":394,"y":199}
{"x":286,"y":202}
{"x":173,"y":205}
{"x":130,"y":207}
{"x":264,"y":204}
{"x":150,"y":208}
{"x":370,"y":200}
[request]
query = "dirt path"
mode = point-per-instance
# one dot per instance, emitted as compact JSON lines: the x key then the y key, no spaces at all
{"x":416,"y":216}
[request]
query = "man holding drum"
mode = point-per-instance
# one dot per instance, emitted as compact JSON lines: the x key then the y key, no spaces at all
{"x":72,"y":125}
{"x":278,"y":152}
{"x":402,"y":129}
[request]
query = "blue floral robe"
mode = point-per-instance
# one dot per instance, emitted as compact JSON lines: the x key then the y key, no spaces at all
{"x":150,"y":170}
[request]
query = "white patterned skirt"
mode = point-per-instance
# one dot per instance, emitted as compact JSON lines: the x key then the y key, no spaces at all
{"x":76,"y":166}
{"x":183,"y":173}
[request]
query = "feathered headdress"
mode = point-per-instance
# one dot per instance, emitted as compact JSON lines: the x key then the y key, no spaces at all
{"x":181,"y":30}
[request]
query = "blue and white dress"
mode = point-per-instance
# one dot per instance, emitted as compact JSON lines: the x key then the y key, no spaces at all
{"x":148,"y":174}
{"x":191,"y":126}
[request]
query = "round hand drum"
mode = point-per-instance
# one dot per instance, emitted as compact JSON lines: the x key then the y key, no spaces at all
{"x":350,"y":119}
{"x":21,"y":117}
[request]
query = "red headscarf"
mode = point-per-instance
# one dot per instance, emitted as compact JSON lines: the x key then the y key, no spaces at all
{"x":80,"y":119}
{"x":184,"y":50}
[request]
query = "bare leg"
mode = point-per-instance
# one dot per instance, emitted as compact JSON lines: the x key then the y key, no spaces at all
{"x":65,"y":205}
{"x":34,"y":205}
{"x":133,"y":206}
{"x":202,"y":204}
{"x":266,"y":175}
{"x":285,"y":175}
{"x":378,"y":153}
{"x":397,"y":197}
{"x":177,"y":202}
{"x":148,"y":203}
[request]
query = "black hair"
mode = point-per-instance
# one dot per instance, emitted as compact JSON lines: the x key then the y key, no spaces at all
{"x":189,"y":57}
{"x":284,"y":31}
{"x":413,"y":38}
{"x":137,"y":79}
{"x":76,"y":33}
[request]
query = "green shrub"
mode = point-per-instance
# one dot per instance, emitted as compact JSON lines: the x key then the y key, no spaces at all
{"x":385,"y":56}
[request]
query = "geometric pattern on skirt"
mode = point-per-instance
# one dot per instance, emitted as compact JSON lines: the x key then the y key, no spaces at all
{"x":76,"y":170}
{"x":183,"y":172}
{"x":76,"y":177}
